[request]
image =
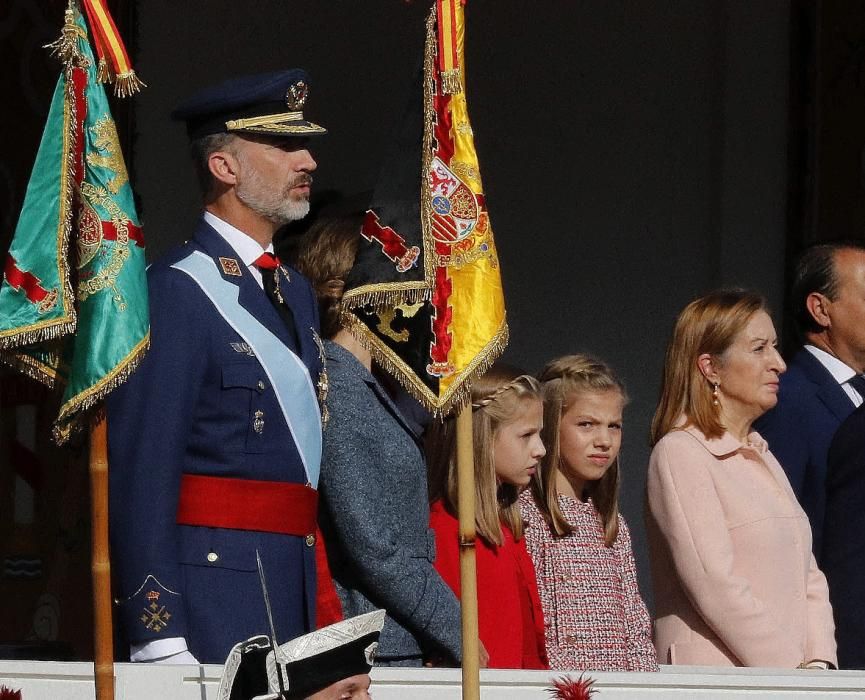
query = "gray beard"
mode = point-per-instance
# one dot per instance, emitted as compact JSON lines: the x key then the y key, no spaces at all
{"x":264,"y":200}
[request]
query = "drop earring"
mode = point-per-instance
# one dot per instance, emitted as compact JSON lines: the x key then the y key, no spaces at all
{"x":715,"y":386}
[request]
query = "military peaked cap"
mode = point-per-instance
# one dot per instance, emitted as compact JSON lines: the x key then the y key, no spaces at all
{"x":266,"y":103}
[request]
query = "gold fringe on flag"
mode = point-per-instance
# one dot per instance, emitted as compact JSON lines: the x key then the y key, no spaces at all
{"x":65,"y":47}
{"x":65,"y":426}
{"x":127,"y":84}
{"x":452,"y":82}
{"x":384,"y":294}
{"x":103,"y":72}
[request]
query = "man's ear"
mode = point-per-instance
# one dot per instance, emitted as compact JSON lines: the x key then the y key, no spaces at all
{"x":706,"y":365}
{"x":223,"y":166}
{"x":818,"y":306}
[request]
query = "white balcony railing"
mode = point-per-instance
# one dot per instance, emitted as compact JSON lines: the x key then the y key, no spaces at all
{"x":44,"y":680}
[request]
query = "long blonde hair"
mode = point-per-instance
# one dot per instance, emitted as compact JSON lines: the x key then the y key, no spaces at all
{"x":562,"y":380}
{"x":496,"y":398}
{"x":709,"y":324}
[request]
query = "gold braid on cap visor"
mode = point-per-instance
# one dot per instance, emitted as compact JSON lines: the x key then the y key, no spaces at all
{"x":276,"y":124}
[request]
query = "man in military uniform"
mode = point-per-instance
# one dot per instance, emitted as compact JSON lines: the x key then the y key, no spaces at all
{"x":215,"y":440}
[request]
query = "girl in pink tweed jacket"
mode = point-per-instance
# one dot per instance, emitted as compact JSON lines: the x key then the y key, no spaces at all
{"x":580,"y":545}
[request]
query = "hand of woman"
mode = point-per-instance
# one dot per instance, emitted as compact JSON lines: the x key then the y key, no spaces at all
{"x":485,"y":657}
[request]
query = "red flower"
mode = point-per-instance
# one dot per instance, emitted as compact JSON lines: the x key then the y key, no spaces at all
{"x":567,"y":688}
{"x":7,"y":694}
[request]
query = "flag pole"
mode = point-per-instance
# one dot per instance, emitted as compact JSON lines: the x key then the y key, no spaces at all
{"x":440,"y":259}
{"x":468,"y":579}
{"x":103,"y":641}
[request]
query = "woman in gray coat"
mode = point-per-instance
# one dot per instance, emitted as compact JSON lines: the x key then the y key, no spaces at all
{"x":374,"y":509}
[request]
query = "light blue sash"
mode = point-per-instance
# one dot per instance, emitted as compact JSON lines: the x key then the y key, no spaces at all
{"x":288,"y":376}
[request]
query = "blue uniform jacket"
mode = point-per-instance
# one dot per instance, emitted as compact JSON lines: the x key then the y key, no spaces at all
{"x":811,"y":406}
{"x":191,"y":407}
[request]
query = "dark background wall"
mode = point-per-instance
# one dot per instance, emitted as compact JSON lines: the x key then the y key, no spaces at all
{"x":635,"y":153}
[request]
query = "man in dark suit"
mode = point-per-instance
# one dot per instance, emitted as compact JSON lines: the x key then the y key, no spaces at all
{"x":215,"y":441}
{"x":843,"y":556}
{"x":818,"y":391}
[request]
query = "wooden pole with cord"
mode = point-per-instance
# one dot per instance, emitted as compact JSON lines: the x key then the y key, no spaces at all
{"x":103,"y":640}
{"x":468,"y":573}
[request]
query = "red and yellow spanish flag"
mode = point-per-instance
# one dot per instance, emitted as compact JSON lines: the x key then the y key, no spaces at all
{"x":114,"y":65}
{"x":425,"y":294}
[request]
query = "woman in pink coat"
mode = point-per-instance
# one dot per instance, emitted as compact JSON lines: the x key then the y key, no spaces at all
{"x":735,"y":581}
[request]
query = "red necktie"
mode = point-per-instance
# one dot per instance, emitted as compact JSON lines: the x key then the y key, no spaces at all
{"x":268,"y":263}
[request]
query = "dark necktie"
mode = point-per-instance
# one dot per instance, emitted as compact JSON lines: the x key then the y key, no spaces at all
{"x":268,"y":263}
{"x":858,"y":383}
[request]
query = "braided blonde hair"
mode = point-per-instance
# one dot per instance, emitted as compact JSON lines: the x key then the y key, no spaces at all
{"x":497,"y":397}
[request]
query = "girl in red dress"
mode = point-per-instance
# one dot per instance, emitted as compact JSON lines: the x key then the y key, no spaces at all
{"x":507,"y":417}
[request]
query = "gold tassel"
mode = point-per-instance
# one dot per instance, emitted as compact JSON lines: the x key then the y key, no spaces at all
{"x":65,"y":47}
{"x":103,"y":72}
{"x":126,"y":84}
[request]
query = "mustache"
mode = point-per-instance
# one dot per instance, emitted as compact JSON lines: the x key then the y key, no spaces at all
{"x":303,"y":180}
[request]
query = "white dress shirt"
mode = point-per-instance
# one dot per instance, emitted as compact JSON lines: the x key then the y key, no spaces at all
{"x":246,"y":247}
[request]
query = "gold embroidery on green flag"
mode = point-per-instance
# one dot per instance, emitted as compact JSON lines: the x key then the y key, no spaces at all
{"x":108,"y":154}
{"x":48,"y":203}
{"x":89,"y":338}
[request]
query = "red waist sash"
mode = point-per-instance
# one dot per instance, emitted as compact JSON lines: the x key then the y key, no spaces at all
{"x":244,"y":504}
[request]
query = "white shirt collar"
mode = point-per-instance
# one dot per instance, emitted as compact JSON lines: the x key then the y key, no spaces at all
{"x":840,"y":371}
{"x":246,"y":247}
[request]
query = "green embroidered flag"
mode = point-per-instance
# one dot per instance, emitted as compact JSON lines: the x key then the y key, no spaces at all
{"x":73,"y":299}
